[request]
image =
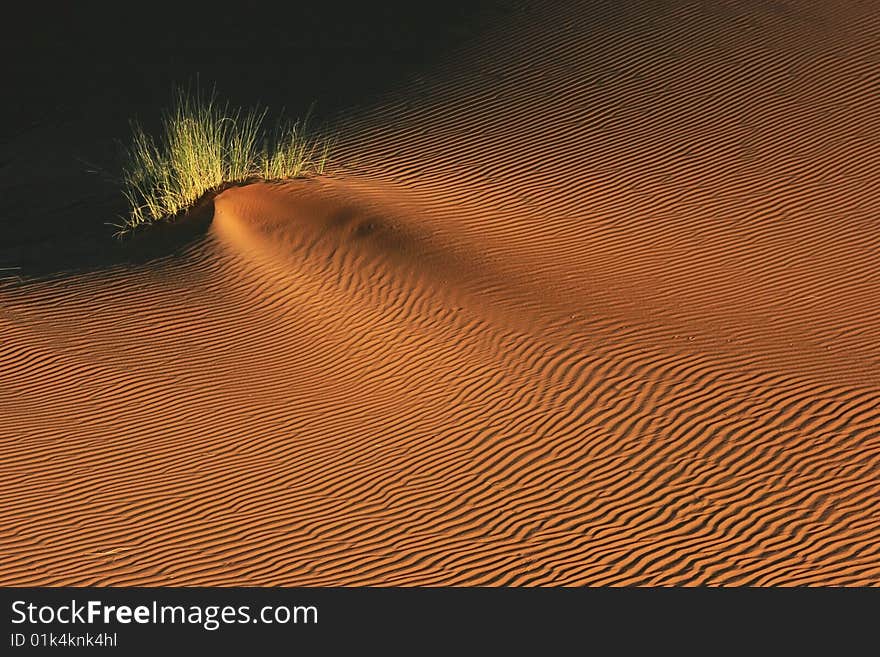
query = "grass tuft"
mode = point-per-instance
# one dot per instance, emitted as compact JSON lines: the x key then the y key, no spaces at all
{"x":204,"y":147}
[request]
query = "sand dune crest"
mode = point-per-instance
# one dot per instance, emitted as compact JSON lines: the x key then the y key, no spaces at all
{"x":594,"y":305}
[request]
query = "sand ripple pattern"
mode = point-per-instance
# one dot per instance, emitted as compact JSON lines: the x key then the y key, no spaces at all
{"x":594,"y":304}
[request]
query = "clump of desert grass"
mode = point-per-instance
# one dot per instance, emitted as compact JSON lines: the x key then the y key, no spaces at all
{"x":204,"y":147}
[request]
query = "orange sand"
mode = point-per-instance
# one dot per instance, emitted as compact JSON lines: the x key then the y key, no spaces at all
{"x":595,"y":305}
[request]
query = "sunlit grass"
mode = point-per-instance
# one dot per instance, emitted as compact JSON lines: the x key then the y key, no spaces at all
{"x":203,"y":147}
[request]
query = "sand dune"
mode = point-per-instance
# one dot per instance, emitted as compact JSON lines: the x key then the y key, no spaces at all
{"x":595,"y":304}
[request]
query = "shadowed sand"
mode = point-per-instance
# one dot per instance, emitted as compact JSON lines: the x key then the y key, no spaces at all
{"x":595,"y":305}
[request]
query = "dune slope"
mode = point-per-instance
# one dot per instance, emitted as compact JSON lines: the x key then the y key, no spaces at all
{"x":596,"y":304}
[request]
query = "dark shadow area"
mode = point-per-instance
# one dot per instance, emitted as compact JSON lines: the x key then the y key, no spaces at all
{"x":75,"y":76}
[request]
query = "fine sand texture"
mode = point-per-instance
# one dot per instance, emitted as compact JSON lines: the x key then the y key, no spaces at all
{"x":596,"y":302}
